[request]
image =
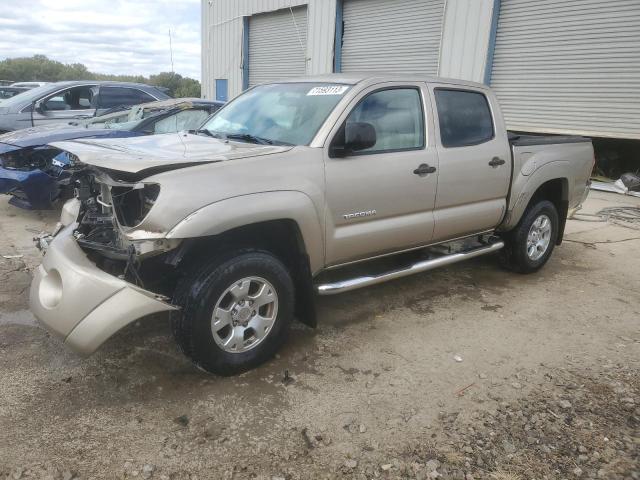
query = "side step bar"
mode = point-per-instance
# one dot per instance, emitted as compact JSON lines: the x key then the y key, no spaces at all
{"x":422,"y":266}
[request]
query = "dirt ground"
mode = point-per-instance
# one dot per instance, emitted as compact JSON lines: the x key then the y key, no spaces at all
{"x":467,"y":372}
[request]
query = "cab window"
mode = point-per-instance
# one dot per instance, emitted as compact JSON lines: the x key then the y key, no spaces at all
{"x":396,"y":116}
{"x":122,"y":96}
{"x":464,"y":117}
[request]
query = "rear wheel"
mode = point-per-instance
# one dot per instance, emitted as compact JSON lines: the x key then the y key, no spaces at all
{"x":235,"y":312}
{"x":530,"y":244}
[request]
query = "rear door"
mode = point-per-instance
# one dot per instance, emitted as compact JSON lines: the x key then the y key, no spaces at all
{"x":475,"y":161}
{"x":380,"y":200}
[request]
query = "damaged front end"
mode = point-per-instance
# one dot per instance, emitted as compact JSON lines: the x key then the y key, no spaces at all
{"x":100,"y":271}
{"x":109,"y":211}
{"x":35,"y":177}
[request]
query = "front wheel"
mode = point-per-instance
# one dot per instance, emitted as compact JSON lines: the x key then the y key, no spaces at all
{"x":530,"y":244}
{"x":235,"y":312}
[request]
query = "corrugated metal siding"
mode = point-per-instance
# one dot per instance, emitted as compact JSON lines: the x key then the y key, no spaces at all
{"x":277,"y":45}
{"x":392,"y":36}
{"x":222,"y":38}
{"x":465,"y":38}
{"x":569,"y":66}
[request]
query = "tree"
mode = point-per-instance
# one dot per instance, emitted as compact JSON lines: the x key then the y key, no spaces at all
{"x":40,"y":68}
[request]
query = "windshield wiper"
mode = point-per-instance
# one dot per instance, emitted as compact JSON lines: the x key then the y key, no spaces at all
{"x":247,"y":137}
{"x":208,"y":133}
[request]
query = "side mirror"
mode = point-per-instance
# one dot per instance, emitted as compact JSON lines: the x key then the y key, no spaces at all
{"x":357,"y":136}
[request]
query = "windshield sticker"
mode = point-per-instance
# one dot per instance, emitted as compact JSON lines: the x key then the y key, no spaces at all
{"x":328,"y":90}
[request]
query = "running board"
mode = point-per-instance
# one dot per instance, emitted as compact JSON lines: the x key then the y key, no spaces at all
{"x":422,"y":266}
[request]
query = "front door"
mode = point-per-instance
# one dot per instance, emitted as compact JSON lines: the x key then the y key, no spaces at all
{"x":66,"y":105}
{"x":381,"y":199}
{"x":475,"y":162}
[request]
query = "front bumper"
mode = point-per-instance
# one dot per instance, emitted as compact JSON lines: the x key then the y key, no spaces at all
{"x":32,"y":189}
{"x":80,"y":303}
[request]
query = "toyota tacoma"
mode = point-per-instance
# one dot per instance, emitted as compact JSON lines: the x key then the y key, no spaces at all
{"x":312,"y":186}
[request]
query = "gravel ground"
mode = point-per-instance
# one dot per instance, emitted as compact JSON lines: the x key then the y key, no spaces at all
{"x":465,"y":372}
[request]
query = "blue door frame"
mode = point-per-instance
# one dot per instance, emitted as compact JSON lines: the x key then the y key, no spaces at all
{"x":492,"y":42}
{"x":245,"y":53}
{"x":337,"y":51}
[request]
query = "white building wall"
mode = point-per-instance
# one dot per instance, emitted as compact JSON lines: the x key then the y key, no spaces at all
{"x":465,"y":39}
{"x":462,"y":55}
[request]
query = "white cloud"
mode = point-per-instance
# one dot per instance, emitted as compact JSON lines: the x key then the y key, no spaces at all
{"x":108,"y":36}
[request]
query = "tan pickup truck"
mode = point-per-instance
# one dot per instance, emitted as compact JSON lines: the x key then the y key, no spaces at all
{"x":233,"y":228}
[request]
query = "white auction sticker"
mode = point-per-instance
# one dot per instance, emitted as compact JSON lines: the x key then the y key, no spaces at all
{"x":328,"y":90}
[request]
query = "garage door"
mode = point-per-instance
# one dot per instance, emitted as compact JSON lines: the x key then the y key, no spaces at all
{"x":569,"y":66}
{"x":277,"y":45}
{"x":392,"y":36}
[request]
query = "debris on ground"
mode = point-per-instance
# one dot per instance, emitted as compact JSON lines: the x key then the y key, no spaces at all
{"x":627,"y":184}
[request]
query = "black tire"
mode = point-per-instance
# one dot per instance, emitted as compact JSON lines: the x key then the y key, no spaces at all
{"x":514,"y":256}
{"x":197,"y":295}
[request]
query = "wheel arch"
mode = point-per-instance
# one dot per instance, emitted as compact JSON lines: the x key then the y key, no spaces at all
{"x":293,"y":208}
{"x":285,"y":236}
{"x":557,"y":192}
{"x":554,"y":189}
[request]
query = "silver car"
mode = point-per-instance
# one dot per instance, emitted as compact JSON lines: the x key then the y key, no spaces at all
{"x":62,"y":101}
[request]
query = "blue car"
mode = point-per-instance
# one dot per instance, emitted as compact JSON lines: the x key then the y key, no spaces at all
{"x":36,"y":175}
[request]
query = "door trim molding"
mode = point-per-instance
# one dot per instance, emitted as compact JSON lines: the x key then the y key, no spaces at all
{"x":405,"y":250}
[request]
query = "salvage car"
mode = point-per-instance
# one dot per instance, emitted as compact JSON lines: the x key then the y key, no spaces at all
{"x":36,"y":175}
{"x":316,"y":185}
{"x":62,"y":101}
{"x":10,"y":91}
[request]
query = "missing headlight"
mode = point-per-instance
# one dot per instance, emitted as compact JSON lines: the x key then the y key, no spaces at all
{"x":132,"y":205}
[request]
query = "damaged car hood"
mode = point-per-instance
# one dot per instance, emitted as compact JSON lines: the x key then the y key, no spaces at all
{"x":38,"y":136}
{"x":172,"y":150}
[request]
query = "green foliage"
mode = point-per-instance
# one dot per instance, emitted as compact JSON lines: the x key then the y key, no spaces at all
{"x":40,"y":68}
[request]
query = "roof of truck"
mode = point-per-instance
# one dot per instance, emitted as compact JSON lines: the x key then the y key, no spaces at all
{"x":354,"y":78}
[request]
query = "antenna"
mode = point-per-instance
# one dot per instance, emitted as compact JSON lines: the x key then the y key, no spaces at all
{"x":171,"y":51}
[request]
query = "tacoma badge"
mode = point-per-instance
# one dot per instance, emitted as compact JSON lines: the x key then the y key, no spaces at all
{"x":368,"y":213}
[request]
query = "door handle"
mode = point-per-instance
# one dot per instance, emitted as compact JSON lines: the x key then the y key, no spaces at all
{"x":495,"y":161}
{"x":424,"y":169}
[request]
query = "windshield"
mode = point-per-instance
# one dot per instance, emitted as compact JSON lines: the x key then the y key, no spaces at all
{"x":28,"y":96}
{"x":126,"y":118}
{"x":286,"y":113}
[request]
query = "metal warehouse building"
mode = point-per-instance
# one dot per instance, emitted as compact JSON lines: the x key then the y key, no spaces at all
{"x":557,"y":66}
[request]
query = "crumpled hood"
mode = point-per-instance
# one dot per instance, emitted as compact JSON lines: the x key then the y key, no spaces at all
{"x":171,"y":150}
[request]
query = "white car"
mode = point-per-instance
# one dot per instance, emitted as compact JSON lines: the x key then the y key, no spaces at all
{"x":28,"y":84}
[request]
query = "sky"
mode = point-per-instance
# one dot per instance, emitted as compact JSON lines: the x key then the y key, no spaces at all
{"x":108,"y":36}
